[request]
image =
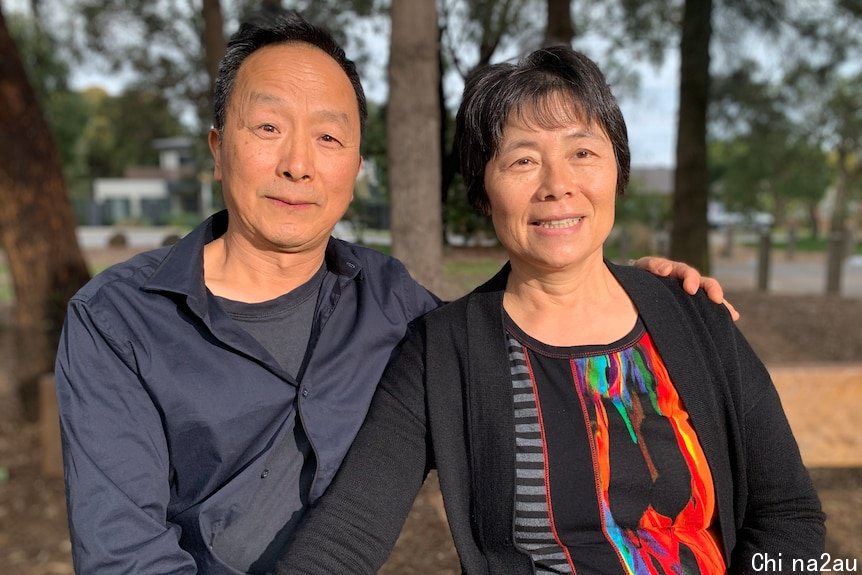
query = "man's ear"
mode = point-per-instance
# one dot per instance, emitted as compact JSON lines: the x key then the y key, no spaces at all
{"x":214,"y":141}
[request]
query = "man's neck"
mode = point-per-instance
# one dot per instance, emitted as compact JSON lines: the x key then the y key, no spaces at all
{"x":241,"y":272}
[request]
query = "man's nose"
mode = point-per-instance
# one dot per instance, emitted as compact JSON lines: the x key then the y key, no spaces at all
{"x":297,"y":159}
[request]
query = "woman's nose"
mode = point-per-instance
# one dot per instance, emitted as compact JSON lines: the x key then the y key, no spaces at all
{"x":557,"y":181}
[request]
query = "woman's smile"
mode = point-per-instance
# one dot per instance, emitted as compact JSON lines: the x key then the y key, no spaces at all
{"x":558,"y":224}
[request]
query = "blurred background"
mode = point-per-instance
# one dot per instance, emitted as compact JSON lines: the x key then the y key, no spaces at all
{"x":745,"y":121}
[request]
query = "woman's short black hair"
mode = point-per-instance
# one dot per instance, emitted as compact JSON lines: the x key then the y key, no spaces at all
{"x":284,"y":28}
{"x":533,"y":86}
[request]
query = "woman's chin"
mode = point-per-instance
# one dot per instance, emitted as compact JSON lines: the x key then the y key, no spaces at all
{"x":560,"y":262}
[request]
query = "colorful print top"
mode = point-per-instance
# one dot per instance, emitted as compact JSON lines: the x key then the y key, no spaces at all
{"x":610,"y":476}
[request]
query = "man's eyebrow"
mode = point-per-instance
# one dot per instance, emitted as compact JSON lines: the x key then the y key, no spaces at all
{"x":325,"y":115}
{"x":333,"y":116}
{"x":265,"y":97}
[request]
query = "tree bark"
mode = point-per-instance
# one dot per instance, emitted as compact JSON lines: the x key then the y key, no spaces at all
{"x":493,"y":29}
{"x":413,"y":131}
{"x":448,"y":160}
{"x":213,"y":40}
{"x":689,"y":235}
{"x":836,"y":251}
{"x":559,"y":29}
{"x":37,"y":225}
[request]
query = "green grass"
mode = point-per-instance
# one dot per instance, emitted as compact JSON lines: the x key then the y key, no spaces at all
{"x":462,"y":272}
{"x":465,"y":274}
{"x":99,"y":267}
{"x":383,"y":249}
{"x":7,"y":295}
{"x":7,"y":292}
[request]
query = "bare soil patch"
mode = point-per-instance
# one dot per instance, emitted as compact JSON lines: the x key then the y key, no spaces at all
{"x":782,"y":329}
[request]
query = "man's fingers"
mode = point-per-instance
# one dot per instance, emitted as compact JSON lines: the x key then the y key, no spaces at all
{"x":690,"y":277}
{"x":715,"y":293}
{"x":733,"y":313}
{"x":654,"y":265}
{"x":712,"y":288}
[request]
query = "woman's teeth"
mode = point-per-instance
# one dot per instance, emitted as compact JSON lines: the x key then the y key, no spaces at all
{"x":567,"y":223}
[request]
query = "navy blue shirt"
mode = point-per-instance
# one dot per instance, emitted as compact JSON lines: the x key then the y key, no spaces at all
{"x":169,"y":410}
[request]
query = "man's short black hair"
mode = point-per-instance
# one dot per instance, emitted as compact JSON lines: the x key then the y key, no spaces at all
{"x":283,"y":28}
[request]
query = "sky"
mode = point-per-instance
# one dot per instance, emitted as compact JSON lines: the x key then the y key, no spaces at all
{"x":650,"y":114}
{"x":651,"y":117}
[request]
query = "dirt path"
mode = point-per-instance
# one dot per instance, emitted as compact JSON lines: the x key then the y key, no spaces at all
{"x":782,"y":329}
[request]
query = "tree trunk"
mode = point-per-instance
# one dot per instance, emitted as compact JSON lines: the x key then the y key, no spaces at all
{"x":448,"y":159}
{"x":37,"y":225}
{"x":213,"y":40}
{"x":413,"y":131}
{"x":689,"y":236}
{"x":813,"y":220}
{"x":559,"y":29}
{"x":837,"y":249}
{"x":493,"y":30}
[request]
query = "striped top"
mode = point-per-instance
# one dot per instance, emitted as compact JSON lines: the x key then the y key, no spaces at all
{"x":610,"y":476}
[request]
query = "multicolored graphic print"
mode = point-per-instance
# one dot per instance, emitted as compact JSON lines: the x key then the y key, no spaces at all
{"x":627,"y":488}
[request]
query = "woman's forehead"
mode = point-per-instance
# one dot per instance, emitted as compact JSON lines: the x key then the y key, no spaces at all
{"x":550,"y":111}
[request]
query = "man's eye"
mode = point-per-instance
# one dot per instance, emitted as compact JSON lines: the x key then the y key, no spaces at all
{"x":269,"y":128}
{"x":330,"y":139}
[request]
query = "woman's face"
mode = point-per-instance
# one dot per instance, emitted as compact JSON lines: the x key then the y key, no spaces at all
{"x":552,"y":191}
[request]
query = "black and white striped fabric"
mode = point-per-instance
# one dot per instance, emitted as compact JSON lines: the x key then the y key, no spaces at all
{"x":533,"y":532}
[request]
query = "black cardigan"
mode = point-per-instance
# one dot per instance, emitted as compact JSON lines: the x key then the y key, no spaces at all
{"x":445,"y":401}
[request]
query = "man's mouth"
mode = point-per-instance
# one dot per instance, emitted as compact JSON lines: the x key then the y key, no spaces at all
{"x":287,"y":201}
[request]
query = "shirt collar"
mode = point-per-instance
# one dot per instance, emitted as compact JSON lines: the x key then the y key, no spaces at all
{"x":182,"y":270}
{"x":341,"y":259}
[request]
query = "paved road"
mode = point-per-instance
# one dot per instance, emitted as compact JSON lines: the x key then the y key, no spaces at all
{"x":805,"y":274}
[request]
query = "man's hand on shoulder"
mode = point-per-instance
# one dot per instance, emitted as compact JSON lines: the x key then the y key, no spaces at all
{"x":691,"y":279}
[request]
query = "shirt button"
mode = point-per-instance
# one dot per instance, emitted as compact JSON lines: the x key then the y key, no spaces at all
{"x":304,"y":392}
{"x":264,"y":473}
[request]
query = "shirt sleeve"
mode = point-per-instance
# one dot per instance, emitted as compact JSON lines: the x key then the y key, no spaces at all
{"x":115,"y":455}
{"x":424,"y":300}
{"x":782,"y":516}
{"x":354,"y":525}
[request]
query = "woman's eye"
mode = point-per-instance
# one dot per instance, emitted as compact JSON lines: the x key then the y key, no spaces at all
{"x":269,"y":128}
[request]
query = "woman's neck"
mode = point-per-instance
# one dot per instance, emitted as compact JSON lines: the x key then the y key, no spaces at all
{"x":569,"y":307}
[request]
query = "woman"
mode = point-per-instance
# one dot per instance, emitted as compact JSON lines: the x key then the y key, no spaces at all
{"x":583,"y":417}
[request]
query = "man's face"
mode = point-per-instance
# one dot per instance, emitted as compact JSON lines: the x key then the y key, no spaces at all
{"x":289,"y":152}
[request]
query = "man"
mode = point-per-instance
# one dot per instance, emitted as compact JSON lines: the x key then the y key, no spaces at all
{"x":209,"y":391}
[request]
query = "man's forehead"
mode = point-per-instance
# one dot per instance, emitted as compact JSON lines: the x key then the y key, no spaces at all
{"x":301,"y":53}
{"x":293,"y":61}
{"x":264,"y":99}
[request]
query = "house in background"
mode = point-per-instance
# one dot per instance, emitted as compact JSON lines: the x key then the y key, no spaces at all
{"x":151,"y":194}
{"x":654,"y":181}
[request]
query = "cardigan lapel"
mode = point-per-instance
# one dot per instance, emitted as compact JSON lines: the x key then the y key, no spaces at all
{"x":689,"y":370}
{"x":492,"y":424}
